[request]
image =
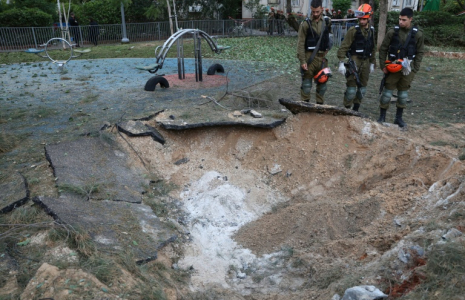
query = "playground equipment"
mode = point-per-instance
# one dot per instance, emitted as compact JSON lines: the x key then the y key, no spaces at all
{"x":61,"y":63}
{"x":178,"y":37}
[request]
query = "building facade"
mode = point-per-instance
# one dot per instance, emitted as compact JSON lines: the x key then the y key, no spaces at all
{"x":303,"y":6}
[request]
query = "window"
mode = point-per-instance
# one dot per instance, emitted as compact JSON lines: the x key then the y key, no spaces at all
{"x":395,"y":2}
{"x":408,"y":3}
{"x":295,"y":3}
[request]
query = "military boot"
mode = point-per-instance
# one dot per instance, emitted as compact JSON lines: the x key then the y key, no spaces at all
{"x":382,"y":115}
{"x":398,"y":120}
{"x":356,"y":106}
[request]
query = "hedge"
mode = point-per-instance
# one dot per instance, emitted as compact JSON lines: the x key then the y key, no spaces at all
{"x":439,"y":28}
{"x":25,"y":17}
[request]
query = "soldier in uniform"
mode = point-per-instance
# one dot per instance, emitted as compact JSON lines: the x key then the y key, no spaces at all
{"x":271,"y":21}
{"x":339,"y":15}
{"x":403,"y":47}
{"x":310,"y":31}
{"x":280,"y":21}
{"x":350,"y":14}
{"x":359,"y":43}
{"x":326,"y":13}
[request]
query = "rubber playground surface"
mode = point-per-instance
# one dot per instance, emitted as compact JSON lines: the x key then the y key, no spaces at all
{"x":40,"y":103}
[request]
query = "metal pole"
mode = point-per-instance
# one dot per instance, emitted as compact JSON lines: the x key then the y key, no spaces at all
{"x":196,"y":55}
{"x":125,"y":39}
{"x":199,"y":46}
{"x":34,"y":36}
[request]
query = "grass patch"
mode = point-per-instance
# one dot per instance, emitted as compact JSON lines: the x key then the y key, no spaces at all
{"x":462,"y":155}
{"x":77,"y":239}
{"x":438,"y":143}
{"x":89,"y":98}
{"x":86,"y":190}
{"x":445,"y":273}
{"x":10,"y":141}
{"x":103,"y":268}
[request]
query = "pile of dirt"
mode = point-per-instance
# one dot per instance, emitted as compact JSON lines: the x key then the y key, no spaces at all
{"x":298,"y":210}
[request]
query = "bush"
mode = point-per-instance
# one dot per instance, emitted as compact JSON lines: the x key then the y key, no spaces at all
{"x":439,"y":28}
{"x":25,"y":17}
{"x":444,"y":35}
{"x":103,"y":11}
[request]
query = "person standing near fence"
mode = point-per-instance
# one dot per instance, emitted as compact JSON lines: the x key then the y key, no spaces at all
{"x":74,"y":29}
{"x":403,"y":47}
{"x":94,"y":31}
{"x":271,"y":21}
{"x":312,"y":45}
{"x":280,"y":19}
{"x":359,"y":44}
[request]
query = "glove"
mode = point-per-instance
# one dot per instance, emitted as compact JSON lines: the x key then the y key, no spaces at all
{"x":406,"y":69}
{"x":372,"y":68}
{"x":342,"y":68}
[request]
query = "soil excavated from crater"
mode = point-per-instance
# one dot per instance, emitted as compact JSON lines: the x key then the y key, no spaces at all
{"x":298,"y":211}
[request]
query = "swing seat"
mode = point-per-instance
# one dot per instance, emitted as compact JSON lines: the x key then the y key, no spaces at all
{"x":33,"y":50}
{"x":82,"y":51}
{"x":221,"y":47}
{"x":148,"y":68}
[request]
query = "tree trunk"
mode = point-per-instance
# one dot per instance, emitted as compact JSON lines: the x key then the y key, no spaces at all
{"x":290,"y":18}
{"x":383,"y":5}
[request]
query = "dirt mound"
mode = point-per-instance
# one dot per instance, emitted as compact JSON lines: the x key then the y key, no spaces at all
{"x":295,"y":209}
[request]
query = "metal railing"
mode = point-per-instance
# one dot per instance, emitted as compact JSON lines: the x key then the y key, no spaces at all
{"x":23,"y":38}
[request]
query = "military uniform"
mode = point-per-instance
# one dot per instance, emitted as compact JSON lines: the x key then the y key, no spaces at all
{"x":280,"y":21}
{"x":319,"y":62}
{"x":398,"y":80}
{"x":271,"y":21}
{"x":354,"y":95}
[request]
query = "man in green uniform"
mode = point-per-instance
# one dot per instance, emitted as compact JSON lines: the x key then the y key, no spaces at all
{"x":271,"y":21}
{"x":403,"y":47}
{"x":359,"y":43}
{"x":312,"y":45}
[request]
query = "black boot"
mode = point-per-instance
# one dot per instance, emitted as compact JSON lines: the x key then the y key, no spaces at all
{"x":382,"y":115}
{"x":398,"y":120}
{"x":356,"y":106}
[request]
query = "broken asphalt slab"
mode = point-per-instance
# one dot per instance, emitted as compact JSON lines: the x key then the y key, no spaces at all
{"x":14,"y":192}
{"x":180,"y":120}
{"x":138,"y":128}
{"x":113,"y":226}
{"x":300,"y":106}
{"x":96,"y":168}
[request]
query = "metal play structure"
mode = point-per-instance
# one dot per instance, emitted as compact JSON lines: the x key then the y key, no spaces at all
{"x":66,"y":44}
{"x":178,"y":38}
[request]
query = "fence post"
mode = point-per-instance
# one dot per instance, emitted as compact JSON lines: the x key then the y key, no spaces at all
{"x":34,"y":36}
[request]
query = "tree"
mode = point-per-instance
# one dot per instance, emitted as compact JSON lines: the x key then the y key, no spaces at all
{"x":383,"y":6}
{"x":258,"y":10}
{"x":291,"y":18}
{"x":453,"y":6}
{"x":342,"y":5}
